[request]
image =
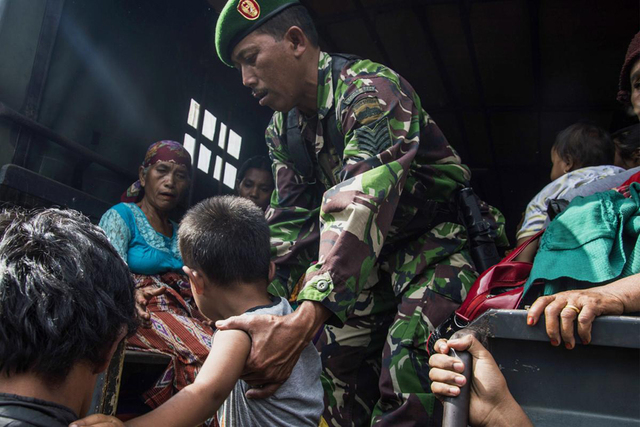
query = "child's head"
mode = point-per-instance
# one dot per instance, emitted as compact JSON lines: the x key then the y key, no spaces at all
{"x":627,"y":145}
{"x":226,"y":238}
{"x":578,"y":146}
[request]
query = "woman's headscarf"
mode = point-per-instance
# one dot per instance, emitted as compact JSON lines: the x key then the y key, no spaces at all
{"x":161,"y":151}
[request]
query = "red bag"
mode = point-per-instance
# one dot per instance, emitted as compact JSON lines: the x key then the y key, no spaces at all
{"x":501,"y":286}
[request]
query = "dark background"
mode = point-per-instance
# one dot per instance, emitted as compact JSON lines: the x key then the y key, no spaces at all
{"x":500,"y":77}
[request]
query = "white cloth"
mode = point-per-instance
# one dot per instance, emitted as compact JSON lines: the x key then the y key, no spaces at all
{"x":536,"y":213}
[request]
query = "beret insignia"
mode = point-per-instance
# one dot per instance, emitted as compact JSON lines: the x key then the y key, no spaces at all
{"x":250,"y":9}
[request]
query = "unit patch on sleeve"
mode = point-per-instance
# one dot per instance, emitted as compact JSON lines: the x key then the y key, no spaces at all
{"x":367,"y":110}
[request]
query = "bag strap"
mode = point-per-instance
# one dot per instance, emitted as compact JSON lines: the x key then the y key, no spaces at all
{"x":297,"y":149}
{"x":517,"y":251}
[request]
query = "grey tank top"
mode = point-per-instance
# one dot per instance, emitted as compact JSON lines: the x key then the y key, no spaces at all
{"x":298,"y":402}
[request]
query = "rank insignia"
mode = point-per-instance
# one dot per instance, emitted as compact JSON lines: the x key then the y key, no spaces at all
{"x":250,"y":9}
{"x":367,"y":110}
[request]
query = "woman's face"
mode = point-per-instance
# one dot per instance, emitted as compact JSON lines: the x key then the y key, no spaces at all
{"x":635,"y":88}
{"x":257,"y":186}
{"x":164,"y":184}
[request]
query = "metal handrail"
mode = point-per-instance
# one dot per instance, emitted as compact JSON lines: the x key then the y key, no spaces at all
{"x":14,"y":116}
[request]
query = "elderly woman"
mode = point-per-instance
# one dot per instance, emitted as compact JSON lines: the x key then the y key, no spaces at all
{"x":145,"y":237}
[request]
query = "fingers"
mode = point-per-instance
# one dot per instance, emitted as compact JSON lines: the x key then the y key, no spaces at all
{"x":234,"y":322}
{"x":585,"y":321}
{"x":537,"y":308}
{"x":263,"y":392}
{"x":449,"y":363}
{"x":446,"y":383}
{"x":552,"y":324}
{"x":97,"y":420}
{"x":567,"y":327}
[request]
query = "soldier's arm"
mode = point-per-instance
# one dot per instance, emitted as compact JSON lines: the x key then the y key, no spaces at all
{"x":382,"y":130}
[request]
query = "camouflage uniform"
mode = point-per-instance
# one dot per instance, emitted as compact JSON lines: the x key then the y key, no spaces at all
{"x":391,"y":259}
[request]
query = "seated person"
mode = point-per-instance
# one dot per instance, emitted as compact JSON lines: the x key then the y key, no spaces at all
{"x":629,"y":93}
{"x":627,"y":144}
{"x":67,"y":301}
{"x":255,"y":181}
{"x":225,"y":245}
{"x":581,"y":154}
{"x":145,"y":237}
{"x":491,"y":402}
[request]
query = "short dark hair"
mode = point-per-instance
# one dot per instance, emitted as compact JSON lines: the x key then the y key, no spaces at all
{"x":585,"y":145}
{"x":255,"y":162}
{"x":297,"y":16}
{"x":627,"y":140}
{"x":226,"y":238}
{"x":65,"y":293}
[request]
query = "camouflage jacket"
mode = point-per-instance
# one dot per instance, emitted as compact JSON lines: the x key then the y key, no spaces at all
{"x":396,"y":173}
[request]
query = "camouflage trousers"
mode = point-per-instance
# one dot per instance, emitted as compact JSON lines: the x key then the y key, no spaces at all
{"x":375,"y":367}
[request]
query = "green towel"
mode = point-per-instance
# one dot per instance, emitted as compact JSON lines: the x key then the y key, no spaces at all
{"x":593,"y":242}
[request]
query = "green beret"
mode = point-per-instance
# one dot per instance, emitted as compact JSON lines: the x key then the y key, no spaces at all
{"x":240,"y":17}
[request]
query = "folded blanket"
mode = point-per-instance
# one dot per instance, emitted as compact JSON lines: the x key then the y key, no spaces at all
{"x":593,"y":242}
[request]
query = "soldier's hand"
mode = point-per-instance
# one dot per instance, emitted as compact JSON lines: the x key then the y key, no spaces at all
{"x":276,"y":344}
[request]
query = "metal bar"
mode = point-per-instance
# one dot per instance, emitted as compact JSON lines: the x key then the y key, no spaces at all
{"x":39,"y":74}
{"x":15,"y":117}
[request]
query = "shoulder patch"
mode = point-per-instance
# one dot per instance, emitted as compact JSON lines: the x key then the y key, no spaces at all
{"x":367,"y":110}
{"x":359,"y":91}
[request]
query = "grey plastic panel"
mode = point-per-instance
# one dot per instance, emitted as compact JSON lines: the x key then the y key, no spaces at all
{"x":592,"y":385}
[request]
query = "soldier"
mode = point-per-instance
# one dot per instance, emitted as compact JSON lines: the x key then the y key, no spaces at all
{"x":361,"y":217}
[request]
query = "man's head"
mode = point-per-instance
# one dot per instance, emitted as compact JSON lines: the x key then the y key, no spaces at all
{"x":629,"y":85}
{"x":578,"y":146}
{"x":226,"y":238}
{"x":255,"y":181}
{"x":274,"y":44}
{"x":66,"y":296}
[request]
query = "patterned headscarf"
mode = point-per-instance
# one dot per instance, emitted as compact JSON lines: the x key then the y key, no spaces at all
{"x":161,"y":151}
{"x":633,"y":54}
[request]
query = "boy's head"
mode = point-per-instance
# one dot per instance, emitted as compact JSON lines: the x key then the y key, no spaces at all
{"x":66,"y":296}
{"x":226,"y":238}
{"x":578,"y":146}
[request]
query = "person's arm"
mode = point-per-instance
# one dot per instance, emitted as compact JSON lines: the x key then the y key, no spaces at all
{"x":621,"y":296}
{"x":491,"y":401}
{"x":200,"y":400}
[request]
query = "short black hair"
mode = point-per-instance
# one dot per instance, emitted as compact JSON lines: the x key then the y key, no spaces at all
{"x":255,"y":162}
{"x":226,"y":238}
{"x":65,"y":293}
{"x":585,"y":145}
{"x":297,"y":16}
{"x":627,"y":140}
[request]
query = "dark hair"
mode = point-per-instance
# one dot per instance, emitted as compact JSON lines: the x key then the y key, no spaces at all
{"x":297,"y":16}
{"x":585,"y":145}
{"x":627,"y":140}
{"x":65,"y":293}
{"x":255,"y":162}
{"x":226,"y":238}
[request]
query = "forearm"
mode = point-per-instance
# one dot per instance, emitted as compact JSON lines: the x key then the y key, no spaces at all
{"x":313,"y":315}
{"x":627,"y":290}
{"x":506,"y":414}
{"x":192,"y":406}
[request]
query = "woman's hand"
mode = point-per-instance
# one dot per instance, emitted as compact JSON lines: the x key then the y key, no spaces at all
{"x":142,"y":297}
{"x":491,"y":401}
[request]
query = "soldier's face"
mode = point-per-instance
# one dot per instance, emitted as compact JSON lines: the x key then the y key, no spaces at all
{"x":269,"y":68}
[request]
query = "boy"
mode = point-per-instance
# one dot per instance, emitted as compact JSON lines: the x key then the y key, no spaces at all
{"x":66,"y":302}
{"x":224,"y":243}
